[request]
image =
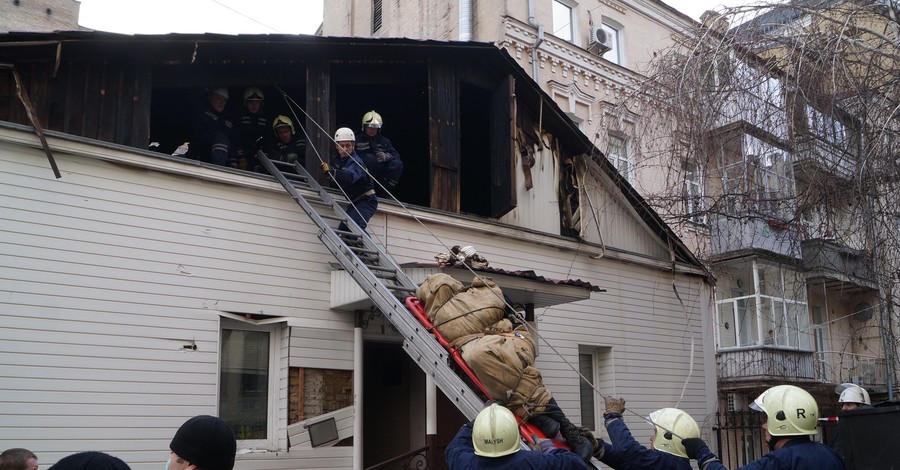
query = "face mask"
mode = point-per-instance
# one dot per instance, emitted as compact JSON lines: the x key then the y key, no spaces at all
{"x":167,"y":463}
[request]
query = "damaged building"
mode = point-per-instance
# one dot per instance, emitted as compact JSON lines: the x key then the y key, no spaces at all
{"x":142,"y":288}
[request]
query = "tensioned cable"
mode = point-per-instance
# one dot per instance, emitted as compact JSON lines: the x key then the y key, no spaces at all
{"x":293,"y":104}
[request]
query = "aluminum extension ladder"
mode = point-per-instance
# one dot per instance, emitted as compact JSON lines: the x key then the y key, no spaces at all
{"x":378,"y":275}
{"x":381,"y":278}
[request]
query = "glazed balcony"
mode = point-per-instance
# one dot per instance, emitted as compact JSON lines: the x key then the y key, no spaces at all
{"x":839,"y":367}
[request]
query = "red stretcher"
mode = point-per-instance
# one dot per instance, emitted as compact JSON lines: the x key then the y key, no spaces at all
{"x":529,"y":431}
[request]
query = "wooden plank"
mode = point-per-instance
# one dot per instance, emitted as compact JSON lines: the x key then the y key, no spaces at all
{"x":443,"y":140}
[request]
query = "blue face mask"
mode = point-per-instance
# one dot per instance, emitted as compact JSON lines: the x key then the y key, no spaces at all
{"x":167,"y":463}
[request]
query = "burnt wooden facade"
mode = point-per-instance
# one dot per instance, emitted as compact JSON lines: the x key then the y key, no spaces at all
{"x":449,"y":108}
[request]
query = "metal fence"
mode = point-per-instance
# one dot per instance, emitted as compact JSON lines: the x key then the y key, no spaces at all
{"x":740,"y":437}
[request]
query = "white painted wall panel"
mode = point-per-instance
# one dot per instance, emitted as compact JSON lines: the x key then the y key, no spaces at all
{"x":108,"y":272}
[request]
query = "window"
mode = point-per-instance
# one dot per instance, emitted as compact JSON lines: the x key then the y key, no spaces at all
{"x":246,"y":382}
{"x":693,"y":193}
{"x":774,"y":313}
{"x":595,"y":365}
{"x":617,"y":153}
{"x":562,"y":21}
{"x":824,"y":127}
{"x":376,"y":15}
{"x":613,"y":55}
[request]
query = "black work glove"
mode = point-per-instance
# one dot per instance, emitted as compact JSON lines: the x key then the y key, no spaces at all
{"x":597,"y":448}
{"x":382,"y":156}
{"x":693,"y":446}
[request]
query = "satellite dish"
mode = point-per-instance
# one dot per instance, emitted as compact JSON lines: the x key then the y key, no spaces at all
{"x":863,"y":312}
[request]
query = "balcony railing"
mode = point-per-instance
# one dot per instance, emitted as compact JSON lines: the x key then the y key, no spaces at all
{"x":813,"y":155}
{"x":840,"y":367}
{"x":829,"y":259}
{"x":766,"y":362}
{"x":762,"y":363}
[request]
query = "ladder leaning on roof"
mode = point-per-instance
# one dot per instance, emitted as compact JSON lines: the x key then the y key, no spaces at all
{"x":382,"y":279}
{"x":379,"y":276}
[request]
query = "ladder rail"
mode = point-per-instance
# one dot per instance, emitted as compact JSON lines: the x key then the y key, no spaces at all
{"x":419,"y":343}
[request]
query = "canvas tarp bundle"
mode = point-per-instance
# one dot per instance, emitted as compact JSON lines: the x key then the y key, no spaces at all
{"x":458,"y":311}
{"x":504,"y":362}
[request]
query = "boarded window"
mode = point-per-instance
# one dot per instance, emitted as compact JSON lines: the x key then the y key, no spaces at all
{"x":314,"y":392}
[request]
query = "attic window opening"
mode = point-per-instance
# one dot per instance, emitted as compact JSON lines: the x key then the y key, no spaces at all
{"x":376,"y":15}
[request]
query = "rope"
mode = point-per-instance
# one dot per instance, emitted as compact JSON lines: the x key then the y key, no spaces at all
{"x":293,"y":104}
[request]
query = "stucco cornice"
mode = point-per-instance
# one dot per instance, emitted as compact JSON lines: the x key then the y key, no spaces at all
{"x":565,"y":61}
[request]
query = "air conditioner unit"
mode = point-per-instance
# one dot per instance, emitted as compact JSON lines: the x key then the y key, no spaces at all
{"x":599,"y":41}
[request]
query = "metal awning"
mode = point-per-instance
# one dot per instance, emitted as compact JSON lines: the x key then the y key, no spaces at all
{"x":522,"y":287}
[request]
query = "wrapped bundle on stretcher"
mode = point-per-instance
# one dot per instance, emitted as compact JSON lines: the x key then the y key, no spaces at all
{"x":457,"y":310}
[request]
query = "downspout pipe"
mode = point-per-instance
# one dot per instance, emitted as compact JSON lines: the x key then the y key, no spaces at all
{"x":537,"y":42}
{"x":465,"y":20}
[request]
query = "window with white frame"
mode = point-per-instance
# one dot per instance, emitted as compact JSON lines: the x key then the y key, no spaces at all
{"x":693,"y":193}
{"x":617,"y":153}
{"x":562,"y":21}
{"x":247,"y":381}
{"x":764,"y":305}
{"x":595,"y":367}
{"x":614,"y":32}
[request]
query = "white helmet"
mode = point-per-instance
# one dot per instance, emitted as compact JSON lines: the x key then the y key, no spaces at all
{"x":281,"y":121}
{"x":495,"y":432}
{"x":223,"y":92}
{"x":673,"y":425}
{"x":253,"y":94}
{"x":344,"y":135}
{"x":852,"y":393}
{"x":790,"y":410}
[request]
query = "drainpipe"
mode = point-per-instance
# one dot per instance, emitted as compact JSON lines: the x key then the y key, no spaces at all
{"x":358,"y":392}
{"x":465,"y":20}
{"x":537,"y":42}
{"x":431,"y":420}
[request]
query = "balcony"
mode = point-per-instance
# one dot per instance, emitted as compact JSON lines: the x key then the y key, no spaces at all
{"x":730,"y":235}
{"x":837,"y":266}
{"x":761,"y":365}
{"x":840,"y":367}
{"x":815,"y":158}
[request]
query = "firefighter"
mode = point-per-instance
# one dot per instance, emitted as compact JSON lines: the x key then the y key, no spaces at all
{"x":212,"y":130}
{"x":852,"y":397}
{"x":666,"y":451}
{"x":288,"y":146}
{"x":348,"y":170}
{"x":252,"y":127}
{"x":791,"y":417}
{"x":382,"y":159}
{"x":492,"y":441}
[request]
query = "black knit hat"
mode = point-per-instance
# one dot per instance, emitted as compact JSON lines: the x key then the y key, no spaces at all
{"x":207,"y":442}
{"x":90,"y":461}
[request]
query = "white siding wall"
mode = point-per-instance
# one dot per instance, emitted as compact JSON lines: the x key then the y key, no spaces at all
{"x":109,"y":271}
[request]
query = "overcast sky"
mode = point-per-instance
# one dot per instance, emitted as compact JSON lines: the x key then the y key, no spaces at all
{"x":244,"y":16}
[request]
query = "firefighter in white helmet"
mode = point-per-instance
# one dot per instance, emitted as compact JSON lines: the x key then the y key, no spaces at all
{"x":852,"y":396}
{"x":670,"y":426}
{"x":791,"y":417}
{"x":382,"y":159}
{"x":492,"y":441}
{"x":212,"y":130}
{"x":349,"y":171}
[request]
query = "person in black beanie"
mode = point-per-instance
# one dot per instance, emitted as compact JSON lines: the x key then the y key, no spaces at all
{"x":203,"y":443}
{"x":90,"y":461}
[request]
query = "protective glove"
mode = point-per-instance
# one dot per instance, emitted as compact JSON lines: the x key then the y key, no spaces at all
{"x":614,"y":405}
{"x":325,"y":167}
{"x":693,"y":446}
{"x":382,"y":156}
{"x":543,"y":445}
{"x":597,"y":448}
